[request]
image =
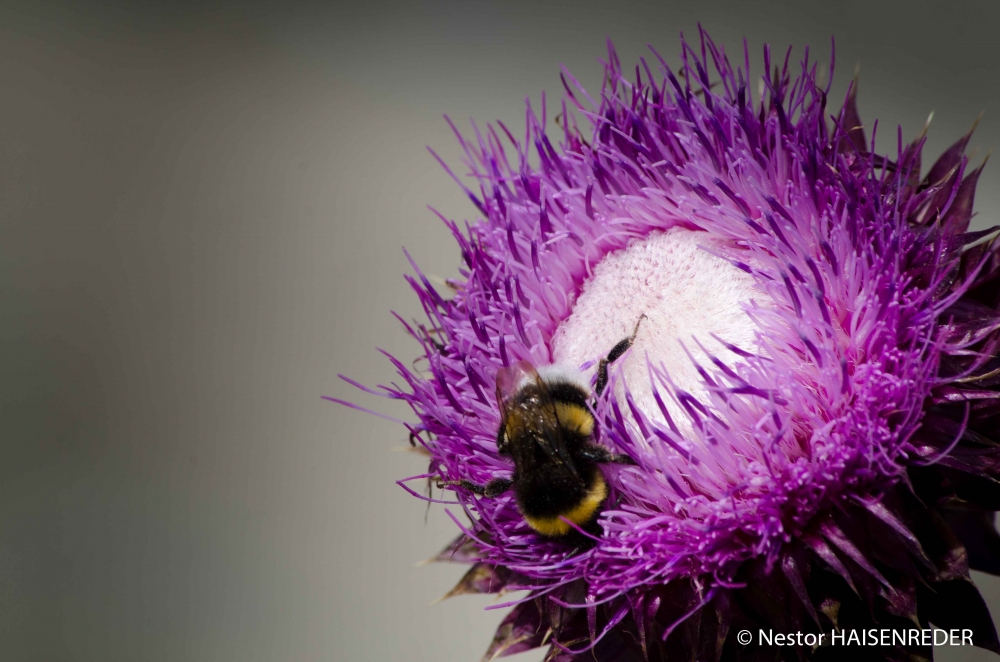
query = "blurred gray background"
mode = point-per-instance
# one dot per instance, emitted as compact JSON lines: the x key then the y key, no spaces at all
{"x":202,"y":209}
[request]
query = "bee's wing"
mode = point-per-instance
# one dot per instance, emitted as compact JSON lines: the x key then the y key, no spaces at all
{"x":509,"y":381}
{"x":538,"y":412}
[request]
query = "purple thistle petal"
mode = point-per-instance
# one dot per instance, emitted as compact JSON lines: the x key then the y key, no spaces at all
{"x":868,"y":367}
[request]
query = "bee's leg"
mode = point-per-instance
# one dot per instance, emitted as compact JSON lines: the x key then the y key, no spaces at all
{"x":498,"y":486}
{"x":602,"y":455}
{"x":494,"y":488}
{"x":614,"y":355}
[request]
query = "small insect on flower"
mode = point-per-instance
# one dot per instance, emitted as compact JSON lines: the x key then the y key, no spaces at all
{"x":546,"y":428}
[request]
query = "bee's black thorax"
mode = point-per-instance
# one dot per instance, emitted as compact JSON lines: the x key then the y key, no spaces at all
{"x":567,"y":393}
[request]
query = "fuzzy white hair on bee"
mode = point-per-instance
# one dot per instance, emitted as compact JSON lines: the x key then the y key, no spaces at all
{"x":523,"y":374}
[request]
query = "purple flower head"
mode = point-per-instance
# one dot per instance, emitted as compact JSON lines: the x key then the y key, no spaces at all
{"x":811,"y":395}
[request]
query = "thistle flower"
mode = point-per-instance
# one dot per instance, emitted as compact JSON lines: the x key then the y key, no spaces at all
{"x":811,"y":404}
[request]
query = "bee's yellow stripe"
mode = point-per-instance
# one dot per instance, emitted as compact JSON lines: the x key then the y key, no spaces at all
{"x":575,"y":418}
{"x":572,"y":417}
{"x":581,"y":514}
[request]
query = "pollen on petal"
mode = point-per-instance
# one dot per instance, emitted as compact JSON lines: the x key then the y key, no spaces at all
{"x":691,"y":299}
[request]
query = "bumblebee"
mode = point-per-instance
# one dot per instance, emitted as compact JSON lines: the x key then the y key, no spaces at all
{"x":546,"y":428}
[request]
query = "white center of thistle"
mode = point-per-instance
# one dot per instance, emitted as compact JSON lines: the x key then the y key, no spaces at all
{"x":686,"y":293}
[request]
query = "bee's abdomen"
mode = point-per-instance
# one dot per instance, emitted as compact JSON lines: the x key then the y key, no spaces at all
{"x":547,"y":498}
